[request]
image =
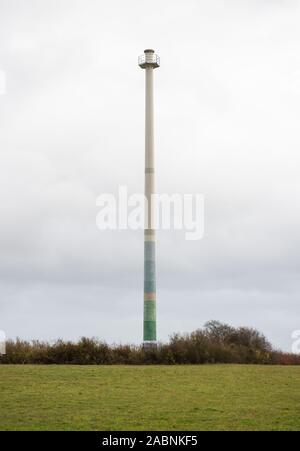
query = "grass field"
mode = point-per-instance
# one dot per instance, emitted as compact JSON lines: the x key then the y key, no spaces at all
{"x":216,"y":397}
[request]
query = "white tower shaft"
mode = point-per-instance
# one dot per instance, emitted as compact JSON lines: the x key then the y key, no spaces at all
{"x":149,"y":61}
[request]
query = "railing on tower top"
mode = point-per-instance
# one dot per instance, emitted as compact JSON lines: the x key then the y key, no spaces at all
{"x":149,"y":59}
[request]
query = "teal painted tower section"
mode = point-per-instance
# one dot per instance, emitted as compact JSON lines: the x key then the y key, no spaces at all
{"x":149,"y":290}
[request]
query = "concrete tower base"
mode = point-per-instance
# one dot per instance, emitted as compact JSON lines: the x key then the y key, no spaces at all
{"x":150,"y":345}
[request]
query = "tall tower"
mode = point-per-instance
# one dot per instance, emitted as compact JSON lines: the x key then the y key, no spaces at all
{"x":149,"y":61}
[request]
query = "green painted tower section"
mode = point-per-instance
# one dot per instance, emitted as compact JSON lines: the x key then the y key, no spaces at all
{"x":149,"y":61}
{"x":149,"y":291}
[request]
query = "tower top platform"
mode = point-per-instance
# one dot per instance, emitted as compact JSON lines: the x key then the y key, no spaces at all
{"x":149,"y":59}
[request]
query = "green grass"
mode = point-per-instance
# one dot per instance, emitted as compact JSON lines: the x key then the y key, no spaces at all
{"x":187,"y":397}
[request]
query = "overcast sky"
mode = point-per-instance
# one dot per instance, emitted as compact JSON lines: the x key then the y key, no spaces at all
{"x":72,"y":127}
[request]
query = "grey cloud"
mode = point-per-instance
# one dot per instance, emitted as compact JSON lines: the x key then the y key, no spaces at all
{"x":227,"y":115}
